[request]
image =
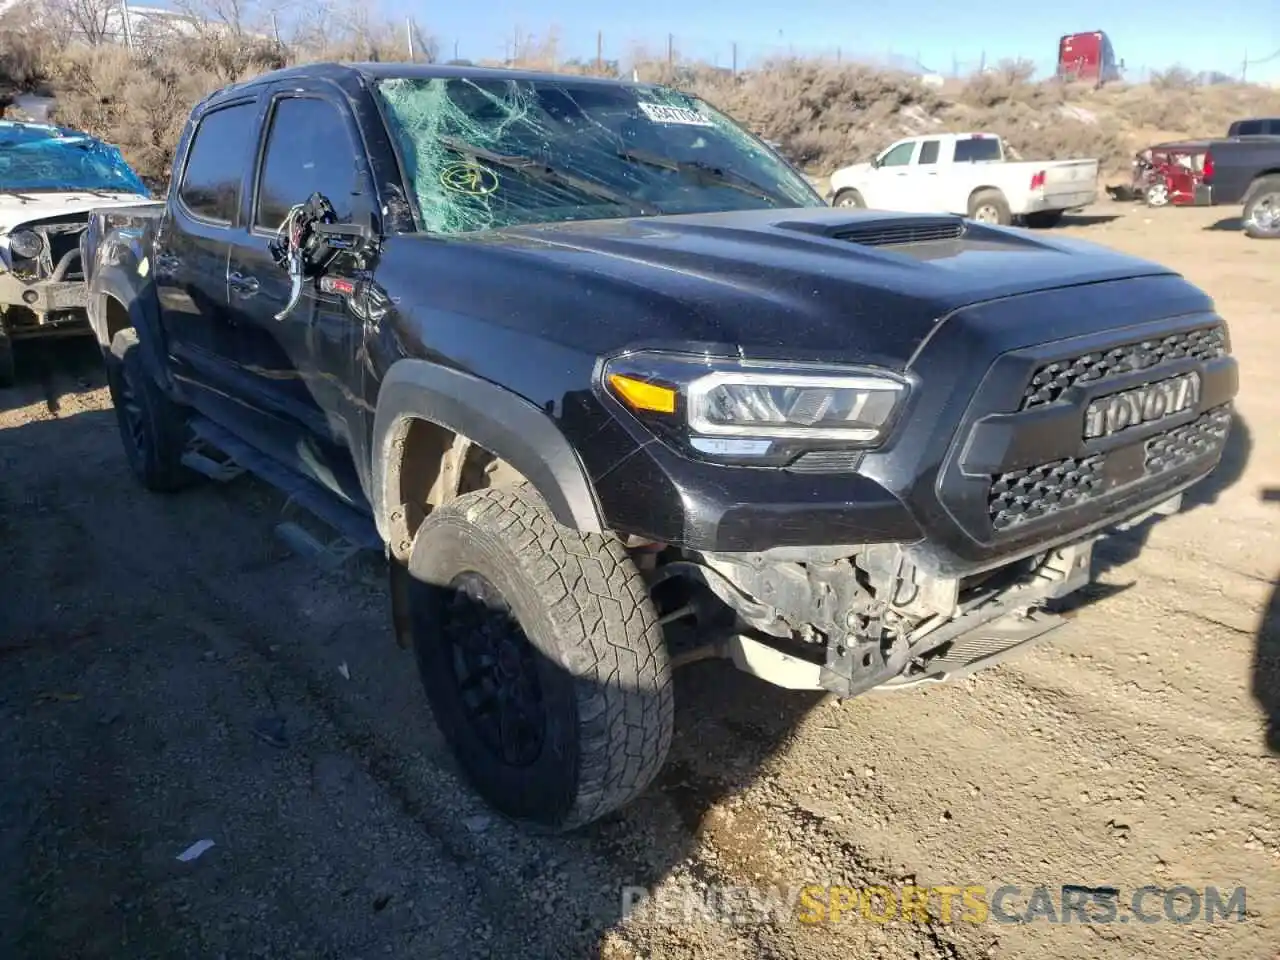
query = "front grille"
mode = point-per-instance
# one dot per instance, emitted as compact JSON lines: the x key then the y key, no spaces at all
{"x":61,"y":243}
{"x":897,"y":233}
{"x":1193,"y":440}
{"x":1023,"y":495}
{"x":1052,"y":380}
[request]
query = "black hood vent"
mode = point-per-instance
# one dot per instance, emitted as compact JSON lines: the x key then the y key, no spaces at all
{"x":897,"y":232}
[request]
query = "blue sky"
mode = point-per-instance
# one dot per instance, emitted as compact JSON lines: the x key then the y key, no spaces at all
{"x":1205,"y":36}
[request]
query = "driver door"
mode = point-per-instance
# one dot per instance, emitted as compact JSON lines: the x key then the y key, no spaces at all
{"x":303,"y":359}
{"x":892,"y":183}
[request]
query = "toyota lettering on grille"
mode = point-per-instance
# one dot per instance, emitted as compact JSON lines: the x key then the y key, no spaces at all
{"x":1108,"y":416}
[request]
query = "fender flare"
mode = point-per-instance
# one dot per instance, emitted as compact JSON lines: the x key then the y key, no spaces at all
{"x":502,"y":422}
{"x":116,"y":283}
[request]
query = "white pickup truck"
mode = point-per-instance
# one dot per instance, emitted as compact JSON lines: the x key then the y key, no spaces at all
{"x":967,"y":174}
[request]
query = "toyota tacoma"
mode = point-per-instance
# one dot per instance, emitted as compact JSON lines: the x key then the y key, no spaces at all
{"x":50,"y":177}
{"x":614,"y":390}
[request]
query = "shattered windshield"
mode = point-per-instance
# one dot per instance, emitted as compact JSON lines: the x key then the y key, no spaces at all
{"x":36,"y":158}
{"x":489,"y":153}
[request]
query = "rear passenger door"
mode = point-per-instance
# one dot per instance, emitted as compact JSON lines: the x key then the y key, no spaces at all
{"x":928,"y":189}
{"x":304,"y":363}
{"x":193,"y":242}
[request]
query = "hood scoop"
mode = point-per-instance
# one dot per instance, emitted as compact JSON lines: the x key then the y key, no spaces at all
{"x":900,"y":231}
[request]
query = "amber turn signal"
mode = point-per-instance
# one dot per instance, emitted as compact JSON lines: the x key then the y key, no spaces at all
{"x":640,"y":395}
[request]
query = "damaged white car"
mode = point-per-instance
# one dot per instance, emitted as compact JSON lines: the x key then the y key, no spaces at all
{"x":50,"y":178}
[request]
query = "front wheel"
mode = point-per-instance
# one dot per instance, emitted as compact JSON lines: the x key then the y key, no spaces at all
{"x":1261,"y":214}
{"x":849,"y":197}
{"x":541,"y":656}
{"x":153,"y":428}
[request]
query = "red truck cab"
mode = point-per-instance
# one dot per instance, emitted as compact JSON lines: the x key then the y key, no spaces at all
{"x":1089,"y":57}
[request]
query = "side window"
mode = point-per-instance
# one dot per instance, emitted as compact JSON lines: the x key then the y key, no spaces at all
{"x":1249,"y":128}
{"x":928,"y":152}
{"x":309,"y":150}
{"x":899,"y":156}
{"x":215,"y":161}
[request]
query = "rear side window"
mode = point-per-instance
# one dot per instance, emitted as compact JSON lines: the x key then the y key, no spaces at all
{"x":928,"y":152}
{"x":211,"y":181}
{"x":309,"y":149}
{"x":1248,"y":128}
{"x":977,"y":149}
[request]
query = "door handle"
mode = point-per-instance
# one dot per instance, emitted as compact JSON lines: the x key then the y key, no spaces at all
{"x":245,"y":286}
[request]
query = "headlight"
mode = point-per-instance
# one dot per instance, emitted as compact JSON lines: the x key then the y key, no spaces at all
{"x":26,"y":243}
{"x":746,"y":409}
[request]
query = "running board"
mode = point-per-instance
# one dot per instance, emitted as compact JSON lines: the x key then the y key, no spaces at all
{"x":356,"y":531}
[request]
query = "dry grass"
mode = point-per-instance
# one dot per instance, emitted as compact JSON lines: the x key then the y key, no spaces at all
{"x":824,"y":114}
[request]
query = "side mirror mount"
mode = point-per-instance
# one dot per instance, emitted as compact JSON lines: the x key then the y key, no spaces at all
{"x":344,"y":236}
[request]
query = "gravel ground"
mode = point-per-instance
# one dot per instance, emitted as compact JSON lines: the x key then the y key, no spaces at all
{"x":170,"y":673}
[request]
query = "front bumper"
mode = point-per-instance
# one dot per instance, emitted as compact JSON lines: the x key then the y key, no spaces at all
{"x":979,"y":443}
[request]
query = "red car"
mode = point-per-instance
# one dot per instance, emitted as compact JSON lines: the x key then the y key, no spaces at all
{"x":1171,"y":174}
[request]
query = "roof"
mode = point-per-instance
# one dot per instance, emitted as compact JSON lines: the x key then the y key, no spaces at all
{"x":421,"y":71}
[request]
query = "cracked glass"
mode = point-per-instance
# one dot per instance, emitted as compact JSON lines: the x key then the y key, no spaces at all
{"x":483,"y":154}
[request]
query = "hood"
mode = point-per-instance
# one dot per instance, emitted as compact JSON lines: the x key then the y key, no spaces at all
{"x":807,"y":283}
{"x":852,"y":170}
{"x":20,"y":208}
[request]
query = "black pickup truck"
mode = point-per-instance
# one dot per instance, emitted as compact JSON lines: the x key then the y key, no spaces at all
{"x":1246,"y":170}
{"x":615,"y":390}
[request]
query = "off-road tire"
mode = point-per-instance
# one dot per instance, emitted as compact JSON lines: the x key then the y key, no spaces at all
{"x":1265,"y":191}
{"x":848,"y":197}
{"x":994,"y":201}
{"x":153,"y":429}
{"x":595,"y":648}
{"x":1044,"y":219}
{"x":8,"y":366}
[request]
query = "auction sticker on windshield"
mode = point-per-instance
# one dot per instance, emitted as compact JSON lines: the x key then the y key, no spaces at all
{"x":659,"y":113}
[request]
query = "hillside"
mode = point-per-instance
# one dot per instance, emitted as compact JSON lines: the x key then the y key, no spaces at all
{"x":823,"y":114}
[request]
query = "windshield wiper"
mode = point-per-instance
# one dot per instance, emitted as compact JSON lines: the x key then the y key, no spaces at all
{"x":543,"y":171}
{"x":701,"y":172}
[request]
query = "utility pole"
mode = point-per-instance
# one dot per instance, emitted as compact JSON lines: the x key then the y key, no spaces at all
{"x":599,"y":51}
{"x":128,"y":23}
{"x":408,"y":32}
{"x":671,"y":51}
{"x":455,"y":49}
{"x":735,"y":60}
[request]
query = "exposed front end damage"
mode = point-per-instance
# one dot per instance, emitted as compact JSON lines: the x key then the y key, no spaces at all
{"x":848,"y":620}
{"x":42,"y":291}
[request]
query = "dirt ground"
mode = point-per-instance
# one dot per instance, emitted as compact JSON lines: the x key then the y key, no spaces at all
{"x":170,"y":673}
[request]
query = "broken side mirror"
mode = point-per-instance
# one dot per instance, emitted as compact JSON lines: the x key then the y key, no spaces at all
{"x":353,"y":237}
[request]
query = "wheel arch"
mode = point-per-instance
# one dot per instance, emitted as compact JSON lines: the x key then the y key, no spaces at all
{"x":981,"y":189}
{"x":1258,"y":183}
{"x":423,"y":406}
{"x":115,"y":304}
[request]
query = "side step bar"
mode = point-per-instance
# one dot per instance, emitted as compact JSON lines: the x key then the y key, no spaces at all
{"x":354,"y":527}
